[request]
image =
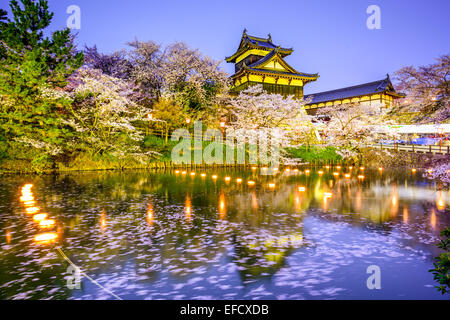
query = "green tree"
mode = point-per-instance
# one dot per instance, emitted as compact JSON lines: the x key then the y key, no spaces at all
{"x":442,"y":264}
{"x":31,"y":65}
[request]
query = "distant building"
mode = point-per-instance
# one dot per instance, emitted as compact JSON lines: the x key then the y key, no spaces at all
{"x":259,"y":61}
{"x":379,"y":93}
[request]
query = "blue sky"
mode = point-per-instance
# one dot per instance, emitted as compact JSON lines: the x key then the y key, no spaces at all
{"x":329,"y":36}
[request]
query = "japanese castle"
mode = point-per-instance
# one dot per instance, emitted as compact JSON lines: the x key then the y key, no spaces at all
{"x":259,"y":61}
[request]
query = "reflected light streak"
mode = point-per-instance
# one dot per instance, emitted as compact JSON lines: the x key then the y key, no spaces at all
{"x":40,"y":217}
{"x":254,"y":201}
{"x":440,"y":202}
{"x":8,"y":236}
{"x":29,"y":203}
{"x":48,"y":223}
{"x":103,"y":220}
{"x":222,"y":209}
{"x":27,"y":198}
{"x":32,"y":210}
{"x":45,"y":238}
{"x":150,"y":214}
{"x":405,"y":215}
{"x":433,"y":219}
{"x":188,"y":209}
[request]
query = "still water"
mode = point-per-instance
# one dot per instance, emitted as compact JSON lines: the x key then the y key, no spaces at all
{"x":300,"y":234}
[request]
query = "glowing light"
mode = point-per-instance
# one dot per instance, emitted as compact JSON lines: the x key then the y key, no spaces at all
{"x":295,"y":170}
{"x":239,"y":180}
{"x":380,"y":169}
{"x":275,"y":169}
{"x":251,"y":183}
{"x":40,"y":217}
{"x":32,"y":210}
{"x":307,"y":171}
{"x":254,"y":168}
{"x":254,"y":201}
{"x":29,"y":203}
{"x":335,"y":174}
{"x":301,"y":189}
{"x":272,"y":185}
{"x":433,"y":219}
{"x":362,"y":168}
{"x":350,"y":168}
{"x":327,"y":167}
{"x":177,"y":171}
{"x":320,"y":172}
{"x":361,"y":177}
{"x":192,"y":174}
{"x":150,"y":214}
{"x":394,"y":200}
{"x":214,"y":177}
{"x":440,"y":202}
{"x":188,"y":209}
{"x":103,"y":220}
{"x":430,"y":171}
{"x":327,"y":195}
{"x":227,"y":179}
{"x":405,"y":214}
{"x":46,"y":237}
{"x":338,"y":167}
{"x":48,"y":223}
{"x":347,"y":175}
{"x":222,"y":210}
{"x":288,"y":170}
{"x":264,"y":169}
{"x":26,"y":198}
{"x":413,"y":170}
{"x":203,"y":175}
{"x":8,"y":236}
{"x":184,"y":173}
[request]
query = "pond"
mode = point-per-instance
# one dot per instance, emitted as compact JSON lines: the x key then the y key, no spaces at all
{"x":308,"y":233}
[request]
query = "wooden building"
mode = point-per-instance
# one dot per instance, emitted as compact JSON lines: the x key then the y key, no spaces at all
{"x":379,"y":93}
{"x":259,"y":61}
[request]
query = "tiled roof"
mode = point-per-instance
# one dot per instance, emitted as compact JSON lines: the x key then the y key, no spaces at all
{"x":354,"y":91}
{"x":300,"y":74}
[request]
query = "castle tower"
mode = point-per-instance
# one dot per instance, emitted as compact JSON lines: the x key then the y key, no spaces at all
{"x":259,"y":61}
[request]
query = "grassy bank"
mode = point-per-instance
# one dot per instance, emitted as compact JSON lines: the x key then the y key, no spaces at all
{"x":160,"y":152}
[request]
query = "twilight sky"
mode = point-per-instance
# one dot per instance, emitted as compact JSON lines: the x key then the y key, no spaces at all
{"x":329,"y":37}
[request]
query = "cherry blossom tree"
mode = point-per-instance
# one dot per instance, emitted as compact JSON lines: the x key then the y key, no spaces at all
{"x":351,"y":127}
{"x":103,"y":114}
{"x":427,"y":90}
{"x":255,"y":109}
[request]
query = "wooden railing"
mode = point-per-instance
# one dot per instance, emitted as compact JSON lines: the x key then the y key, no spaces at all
{"x":413,"y":148}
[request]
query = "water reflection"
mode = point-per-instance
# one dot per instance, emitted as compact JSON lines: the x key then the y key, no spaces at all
{"x":250,"y":236}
